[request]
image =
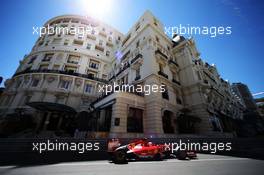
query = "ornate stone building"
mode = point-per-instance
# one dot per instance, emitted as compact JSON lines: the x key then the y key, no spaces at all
{"x":59,"y":81}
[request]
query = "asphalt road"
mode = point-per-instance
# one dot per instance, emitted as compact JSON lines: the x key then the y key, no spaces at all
{"x":205,"y":164}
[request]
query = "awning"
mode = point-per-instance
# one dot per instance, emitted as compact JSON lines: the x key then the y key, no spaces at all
{"x":51,"y":107}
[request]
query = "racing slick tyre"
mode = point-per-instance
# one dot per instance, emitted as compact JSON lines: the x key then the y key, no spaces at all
{"x":182,"y":155}
{"x":120,"y":157}
{"x":157,"y":157}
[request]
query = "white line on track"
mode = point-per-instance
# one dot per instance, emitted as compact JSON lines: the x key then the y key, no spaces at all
{"x":149,"y":162}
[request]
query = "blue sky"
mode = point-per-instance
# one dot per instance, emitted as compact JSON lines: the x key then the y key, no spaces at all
{"x":239,"y":56}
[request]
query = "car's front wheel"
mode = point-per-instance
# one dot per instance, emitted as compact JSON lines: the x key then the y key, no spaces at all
{"x":120,"y":157}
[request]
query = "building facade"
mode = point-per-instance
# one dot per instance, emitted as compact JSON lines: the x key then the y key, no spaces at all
{"x":59,"y":81}
{"x":242,"y":91}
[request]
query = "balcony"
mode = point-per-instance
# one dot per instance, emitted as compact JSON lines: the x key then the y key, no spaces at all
{"x":127,"y":65}
{"x":171,"y":61}
{"x":92,"y":37}
{"x":61,"y":72}
{"x":158,"y":52}
{"x":109,"y":44}
{"x":103,"y":34}
{"x":163,"y":74}
{"x":175,"y":81}
{"x":136,"y":58}
{"x":72,"y":62}
{"x":100,"y":48}
{"x":206,"y":81}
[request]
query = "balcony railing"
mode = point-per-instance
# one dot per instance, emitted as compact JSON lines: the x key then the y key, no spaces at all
{"x":171,"y":61}
{"x":175,"y":81}
{"x":127,"y":65}
{"x":100,"y":48}
{"x":72,"y":62}
{"x":163,"y":74}
{"x":162,"y":54}
{"x":61,"y":72}
{"x":136,"y":57}
{"x":92,"y":37}
{"x":109,"y":44}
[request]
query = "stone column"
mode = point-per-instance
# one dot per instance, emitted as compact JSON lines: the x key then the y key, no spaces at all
{"x":119,"y":110}
{"x":153,"y":117}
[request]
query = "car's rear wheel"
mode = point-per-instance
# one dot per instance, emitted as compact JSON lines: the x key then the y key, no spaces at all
{"x":182,"y":155}
{"x":158,"y":157}
{"x":120,"y":157}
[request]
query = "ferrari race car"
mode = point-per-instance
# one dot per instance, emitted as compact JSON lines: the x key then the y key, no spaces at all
{"x":142,"y":149}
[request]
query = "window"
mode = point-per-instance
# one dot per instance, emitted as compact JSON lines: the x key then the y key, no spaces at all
{"x":43,"y":67}
{"x":80,"y":36}
{"x":100,"y":42}
{"x":93,"y":65}
{"x":104,"y":76}
{"x":137,"y":44}
{"x":35,"y":82}
{"x":137,"y":26}
{"x":198,"y":75}
{"x":135,"y":120}
{"x":56,"y":41}
{"x":74,"y":59}
{"x":48,"y":57}
{"x":32,"y":59}
{"x":91,"y":75}
{"x":88,"y":88}
{"x":165,"y":94}
{"x":65,"y":84}
{"x":56,"y":67}
{"x":138,"y":72}
{"x":75,"y":21}
{"x":78,"y":42}
{"x":157,"y":39}
{"x":70,"y":69}
{"x":107,"y":53}
{"x":66,"y":42}
{"x":160,"y":67}
{"x":89,"y":46}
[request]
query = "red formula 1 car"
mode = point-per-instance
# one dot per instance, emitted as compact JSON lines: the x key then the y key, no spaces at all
{"x":142,"y":149}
